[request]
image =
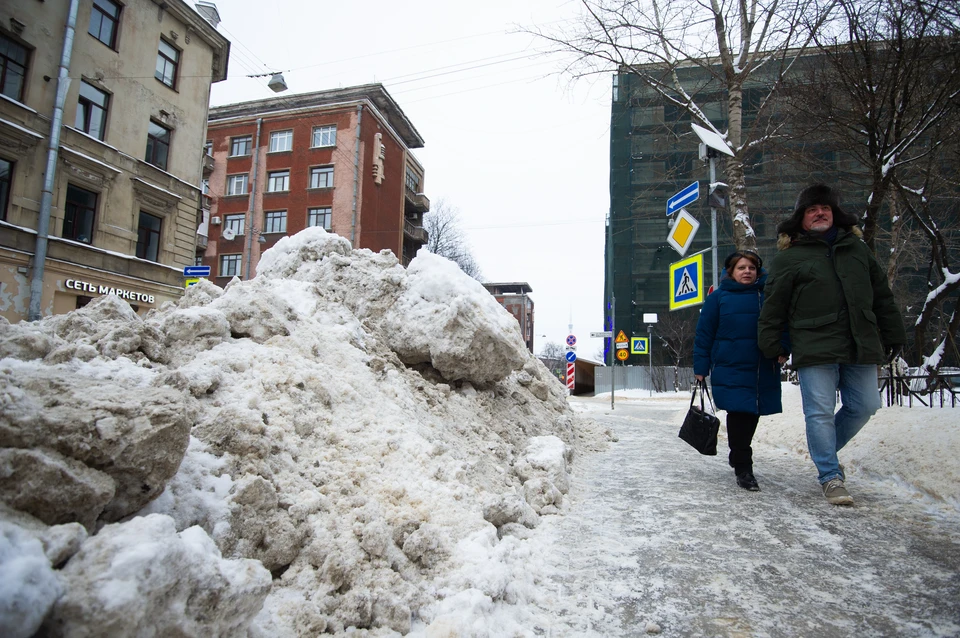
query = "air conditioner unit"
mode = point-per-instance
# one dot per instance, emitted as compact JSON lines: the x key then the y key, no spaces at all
{"x":215,"y":220}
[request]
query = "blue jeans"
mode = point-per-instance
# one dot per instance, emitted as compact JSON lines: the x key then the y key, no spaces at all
{"x":827,"y":432}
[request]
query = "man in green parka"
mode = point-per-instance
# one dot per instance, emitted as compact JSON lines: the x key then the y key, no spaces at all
{"x":827,"y":288}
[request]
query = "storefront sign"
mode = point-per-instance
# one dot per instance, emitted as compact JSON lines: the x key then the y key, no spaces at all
{"x":129,"y":295}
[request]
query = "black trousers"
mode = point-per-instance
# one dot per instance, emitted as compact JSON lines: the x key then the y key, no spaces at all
{"x":741,"y":427}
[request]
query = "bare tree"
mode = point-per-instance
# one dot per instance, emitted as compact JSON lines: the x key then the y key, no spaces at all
{"x":553,"y":357}
{"x":676,"y":331}
{"x":737,"y":42}
{"x":445,"y":238}
{"x":883,"y":87}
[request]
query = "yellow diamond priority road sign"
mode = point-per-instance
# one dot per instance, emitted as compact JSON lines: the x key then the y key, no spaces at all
{"x":684,"y":230}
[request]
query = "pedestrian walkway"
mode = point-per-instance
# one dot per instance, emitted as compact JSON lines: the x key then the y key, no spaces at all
{"x":661,"y":540}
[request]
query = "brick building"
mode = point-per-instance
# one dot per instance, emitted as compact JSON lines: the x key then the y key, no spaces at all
{"x":124,"y":198}
{"x":340,"y":159}
{"x":514,"y":296}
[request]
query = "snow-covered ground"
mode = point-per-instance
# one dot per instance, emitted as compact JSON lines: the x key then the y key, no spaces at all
{"x":659,"y":539}
{"x":340,"y":445}
{"x":918,"y":446}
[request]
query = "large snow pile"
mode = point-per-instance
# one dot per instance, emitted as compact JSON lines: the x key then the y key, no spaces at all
{"x":338,"y":443}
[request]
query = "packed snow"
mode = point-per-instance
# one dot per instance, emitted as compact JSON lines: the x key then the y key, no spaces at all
{"x":916,"y":447}
{"x":339,"y":444}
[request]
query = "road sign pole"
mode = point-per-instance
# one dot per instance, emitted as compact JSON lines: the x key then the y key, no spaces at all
{"x":713,"y":216}
{"x":650,"y":354}
{"x":613,"y":347}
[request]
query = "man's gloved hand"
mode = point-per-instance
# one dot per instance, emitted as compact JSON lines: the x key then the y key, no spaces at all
{"x":894,"y":351}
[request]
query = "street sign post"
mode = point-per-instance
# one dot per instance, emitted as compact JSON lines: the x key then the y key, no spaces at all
{"x":684,"y":230}
{"x":571,"y":340}
{"x":571,"y":356}
{"x":196,"y":271}
{"x":686,"y":282}
{"x":688,"y":195}
{"x":639,"y":345}
{"x":190,"y":282}
{"x":601,"y":335}
{"x":622,"y":355}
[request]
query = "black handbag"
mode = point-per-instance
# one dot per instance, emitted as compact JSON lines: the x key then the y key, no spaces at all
{"x":700,"y":428}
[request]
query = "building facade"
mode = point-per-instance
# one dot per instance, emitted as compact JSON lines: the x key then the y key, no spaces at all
{"x":515,"y":297}
{"x":339,"y":159}
{"x":125,"y":199}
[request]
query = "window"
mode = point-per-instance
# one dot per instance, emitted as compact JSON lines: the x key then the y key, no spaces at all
{"x":234,"y":223}
{"x":240,"y":145}
{"x":92,"y":110}
{"x":148,"y":237}
{"x":104,"y":20}
{"x":281,"y":141}
{"x":278,"y":181}
{"x":276,"y":222}
{"x":168,"y":59}
{"x":412,"y":181}
{"x":198,"y":260}
{"x":205,"y":186}
{"x":158,"y":145}
{"x":6,"y":178}
{"x":325,"y":136}
{"x":319,"y":217}
{"x":81,"y":205}
{"x":229,"y":265}
{"x":321,"y":177}
{"x":13,"y":68}
{"x":208,"y":148}
{"x":237,"y":184}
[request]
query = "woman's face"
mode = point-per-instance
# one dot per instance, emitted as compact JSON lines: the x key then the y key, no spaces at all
{"x":745,"y":272}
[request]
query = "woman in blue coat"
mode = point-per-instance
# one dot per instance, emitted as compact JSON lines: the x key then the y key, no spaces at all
{"x":745,"y":383}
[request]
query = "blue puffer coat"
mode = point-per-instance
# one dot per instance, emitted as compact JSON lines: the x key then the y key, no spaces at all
{"x":726,"y":349}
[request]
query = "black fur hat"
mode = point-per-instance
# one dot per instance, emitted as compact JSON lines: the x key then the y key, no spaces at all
{"x":816,"y":194}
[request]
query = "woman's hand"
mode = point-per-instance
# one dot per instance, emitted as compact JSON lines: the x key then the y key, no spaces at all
{"x":699,"y":377}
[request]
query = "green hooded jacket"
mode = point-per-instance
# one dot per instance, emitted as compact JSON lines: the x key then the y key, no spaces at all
{"x":835,"y":301}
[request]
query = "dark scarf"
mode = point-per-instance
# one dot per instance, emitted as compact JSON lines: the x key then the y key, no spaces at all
{"x":828,"y":236}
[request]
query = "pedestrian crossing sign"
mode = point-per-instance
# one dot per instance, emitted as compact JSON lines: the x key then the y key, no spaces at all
{"x":686,"y":282}
{"x":639,"y":345}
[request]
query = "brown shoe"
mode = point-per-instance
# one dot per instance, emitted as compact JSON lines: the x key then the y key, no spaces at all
{"x":836,"y":493}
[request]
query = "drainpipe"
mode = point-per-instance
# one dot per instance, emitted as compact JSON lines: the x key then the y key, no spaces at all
{"x":53,"y":150}
{"x":356,"y":179}
{"x":251,"y":209}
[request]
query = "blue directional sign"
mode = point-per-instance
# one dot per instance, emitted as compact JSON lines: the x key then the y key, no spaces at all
{"x":196,"y":271}
{"x":688,"y":195}
{"x":571,"y":356}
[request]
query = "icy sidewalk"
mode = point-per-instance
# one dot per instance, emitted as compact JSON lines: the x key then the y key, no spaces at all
{"x":660,"y":539}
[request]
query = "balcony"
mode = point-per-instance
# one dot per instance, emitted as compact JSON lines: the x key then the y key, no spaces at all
{"x":416,"y":202}
{"x":413,"y":232}
{"x":207,"y":164}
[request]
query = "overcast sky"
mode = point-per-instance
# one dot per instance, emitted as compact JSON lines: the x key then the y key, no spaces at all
{"x":509,"y":141}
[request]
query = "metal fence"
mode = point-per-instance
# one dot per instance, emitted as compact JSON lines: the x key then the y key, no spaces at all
{"x":638,"y":378}
{"x":919,"y":391}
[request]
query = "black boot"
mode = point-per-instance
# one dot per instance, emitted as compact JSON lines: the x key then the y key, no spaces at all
{"x":747,"y":481}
